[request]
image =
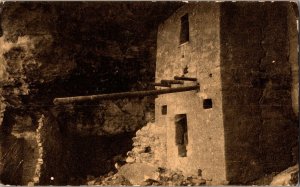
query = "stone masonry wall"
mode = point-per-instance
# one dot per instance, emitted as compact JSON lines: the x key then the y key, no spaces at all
{"x":29,"y":156}
{"x":52,"y":163}
{"x":199,"y":57}
{"x":260,"y":125}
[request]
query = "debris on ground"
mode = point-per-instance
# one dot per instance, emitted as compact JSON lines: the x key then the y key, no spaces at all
{"x":145,"y":166}
{"x":287,"y":177}
{"x":159,"y":177}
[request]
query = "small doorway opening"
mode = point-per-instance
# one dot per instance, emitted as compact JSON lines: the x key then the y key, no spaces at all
{"x":181,"y":134}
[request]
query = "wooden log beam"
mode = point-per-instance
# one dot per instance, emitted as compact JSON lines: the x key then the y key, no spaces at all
{"x":161,"y":85}
{"x":67,"y":100}
{"x":185,"y":78}
{"x":171,"y":82}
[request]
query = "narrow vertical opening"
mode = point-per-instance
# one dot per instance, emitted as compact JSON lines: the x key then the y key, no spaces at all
{"x":164,"y":110}
{"x":184,"y":31}
{"x":181,"y":135}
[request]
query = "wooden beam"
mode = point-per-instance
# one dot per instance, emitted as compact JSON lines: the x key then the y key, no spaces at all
{"x":171,"y":82}
{"x":161,"y":85}
{"x":185,"y":78}
{"x":67,"y":100}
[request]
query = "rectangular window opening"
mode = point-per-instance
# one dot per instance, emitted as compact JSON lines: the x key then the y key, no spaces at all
{"x":181,"y":134}
{"x":164,"y":110}
{"x":184,"y":31}
{"x":207,"y":103}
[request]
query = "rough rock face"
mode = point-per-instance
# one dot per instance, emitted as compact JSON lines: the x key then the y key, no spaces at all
{"x":61,"y":49}
{"x":11,"y":160}
{"x":105,"y":118}
{"x":26,"y":46}
{"x":55,"y":49}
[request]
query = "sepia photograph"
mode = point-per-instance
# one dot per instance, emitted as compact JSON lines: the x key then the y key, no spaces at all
{"x":149,"y":93}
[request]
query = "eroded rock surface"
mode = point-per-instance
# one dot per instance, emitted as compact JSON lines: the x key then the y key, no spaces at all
{"x":61,"y":49}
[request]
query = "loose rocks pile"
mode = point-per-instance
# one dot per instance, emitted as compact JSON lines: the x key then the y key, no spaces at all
{"x":149,"y":146}
{"x":110,"y":179}
{"x":162,"y":177}
{"x":145,"y":164}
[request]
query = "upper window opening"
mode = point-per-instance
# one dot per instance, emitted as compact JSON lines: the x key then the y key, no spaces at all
{"x":164,"y":110}
{"x":184,"y":31}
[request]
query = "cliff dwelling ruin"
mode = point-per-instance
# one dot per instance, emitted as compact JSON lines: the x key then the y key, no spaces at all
{"x":149,"y":93}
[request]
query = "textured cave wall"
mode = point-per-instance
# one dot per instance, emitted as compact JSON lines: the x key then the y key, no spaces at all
{"x":23,"y":128}
{"x":64,"y":49}
{"x":99,"y":136}
{"x":260,"y":125}
{"x":42,"y":48}
{"x":11,"y":165}
{"x":18,"y":131}
{"x":114,"y":45}
{"x":59,"y":49}
{"x":105,"y":118}
{"x":26,"y":44}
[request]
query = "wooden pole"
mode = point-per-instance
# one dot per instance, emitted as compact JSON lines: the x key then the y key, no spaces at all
{"x":161,"y":85}
{"x":171,"y":82}
{"x":67,"y":100}
{"x":185,"y":78}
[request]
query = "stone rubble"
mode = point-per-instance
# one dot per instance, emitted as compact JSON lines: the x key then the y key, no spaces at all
{"x":288,"y":177}
{"x":145,"y":164}
{"x":148,"y":146}
{"x":163,"y":177}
